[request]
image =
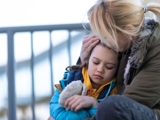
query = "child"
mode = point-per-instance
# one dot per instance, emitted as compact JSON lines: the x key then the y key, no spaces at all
{"x":98,"y":75}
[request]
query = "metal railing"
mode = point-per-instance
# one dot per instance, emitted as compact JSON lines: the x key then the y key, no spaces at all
{"x":10,"y":31}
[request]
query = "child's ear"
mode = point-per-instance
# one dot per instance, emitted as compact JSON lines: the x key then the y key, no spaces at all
{"x":129,"y":27}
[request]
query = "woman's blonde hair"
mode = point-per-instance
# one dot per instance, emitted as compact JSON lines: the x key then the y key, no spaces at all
{"x":107,"y":17}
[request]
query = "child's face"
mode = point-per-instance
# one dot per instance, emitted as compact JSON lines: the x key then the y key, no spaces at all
{"x":102,"y":66}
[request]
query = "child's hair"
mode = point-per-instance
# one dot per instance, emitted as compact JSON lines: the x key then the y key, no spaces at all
{"x":109,"y":16}
{"x":85,"y":63}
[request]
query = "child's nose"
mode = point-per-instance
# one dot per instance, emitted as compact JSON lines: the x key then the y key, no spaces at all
{"x":100,"y":69}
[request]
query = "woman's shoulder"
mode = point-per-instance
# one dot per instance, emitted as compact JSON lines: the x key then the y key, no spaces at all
{"x":154,"y":40}
{"x":153,"y":44}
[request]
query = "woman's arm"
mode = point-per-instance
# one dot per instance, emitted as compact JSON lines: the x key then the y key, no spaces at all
{"x":145,"y":87}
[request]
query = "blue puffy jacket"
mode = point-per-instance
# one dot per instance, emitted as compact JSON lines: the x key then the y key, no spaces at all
{"x":60,"y":113}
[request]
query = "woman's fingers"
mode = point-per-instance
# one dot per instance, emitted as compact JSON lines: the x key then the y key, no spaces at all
{"x":88,"y":40}
{"x":88,"y":43}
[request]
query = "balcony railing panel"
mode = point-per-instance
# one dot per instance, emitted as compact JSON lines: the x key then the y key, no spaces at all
{"x":75,"y":33}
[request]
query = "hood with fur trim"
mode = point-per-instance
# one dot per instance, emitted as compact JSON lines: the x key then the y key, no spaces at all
{"x":139,"y":48}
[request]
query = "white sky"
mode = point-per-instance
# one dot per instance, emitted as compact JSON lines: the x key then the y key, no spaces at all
{"x":38,"y":12}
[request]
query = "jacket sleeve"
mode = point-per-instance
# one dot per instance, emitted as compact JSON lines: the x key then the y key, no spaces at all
{"x":145,"y":87}
{"x":60,"y":113}
{"x":92,"y":111}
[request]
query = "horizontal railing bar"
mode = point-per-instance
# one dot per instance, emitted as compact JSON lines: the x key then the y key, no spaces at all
{"x":42,"y":28}
{"x":39,"y":57}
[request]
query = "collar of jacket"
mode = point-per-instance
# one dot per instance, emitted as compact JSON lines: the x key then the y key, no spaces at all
{"x":139,"y":47}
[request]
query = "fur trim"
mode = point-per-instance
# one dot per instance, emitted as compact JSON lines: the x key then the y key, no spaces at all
{"x":139,"y":48}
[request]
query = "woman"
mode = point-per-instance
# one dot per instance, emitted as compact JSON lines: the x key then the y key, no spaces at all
{"x":122,"y":26}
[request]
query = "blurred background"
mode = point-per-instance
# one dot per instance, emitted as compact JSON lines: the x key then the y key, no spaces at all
{"x":38,"y":39}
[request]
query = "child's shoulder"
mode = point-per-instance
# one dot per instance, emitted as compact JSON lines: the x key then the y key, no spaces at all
{"x":73,"y":75}
{"x":68,"y":77}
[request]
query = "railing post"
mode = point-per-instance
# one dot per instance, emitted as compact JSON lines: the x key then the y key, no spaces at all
{"x":51,"y":65}
{"x":69,"y":47}
{"x":32,"y":74}
{"x":11,"y":77}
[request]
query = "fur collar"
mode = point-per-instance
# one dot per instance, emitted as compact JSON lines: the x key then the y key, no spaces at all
{"x":139,"y":48}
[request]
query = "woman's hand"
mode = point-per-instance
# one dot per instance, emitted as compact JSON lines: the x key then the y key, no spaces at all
{"x":89,"y":41}
{"x":78,"y":102}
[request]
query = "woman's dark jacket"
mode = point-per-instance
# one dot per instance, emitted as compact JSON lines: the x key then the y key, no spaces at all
{"x":139,"y":71}
{"x":138,"y":75}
